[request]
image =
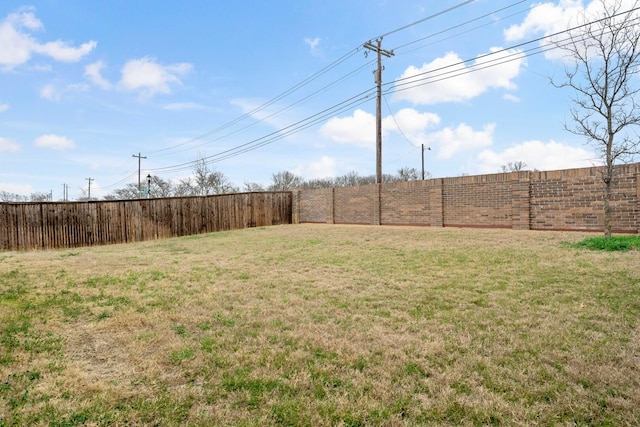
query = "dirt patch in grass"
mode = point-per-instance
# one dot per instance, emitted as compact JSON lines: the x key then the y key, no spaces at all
{"x":323,"y":325}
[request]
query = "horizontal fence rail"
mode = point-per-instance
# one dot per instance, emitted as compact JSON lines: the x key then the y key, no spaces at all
{"x":50,"y":225}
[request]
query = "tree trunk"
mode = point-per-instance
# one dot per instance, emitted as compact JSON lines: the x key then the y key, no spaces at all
{"x":607,"y":209}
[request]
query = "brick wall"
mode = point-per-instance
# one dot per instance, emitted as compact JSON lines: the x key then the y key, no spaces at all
{"x":552,"y":200}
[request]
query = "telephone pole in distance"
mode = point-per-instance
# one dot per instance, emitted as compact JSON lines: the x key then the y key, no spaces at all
{"x":378,"y":79}
{"x":89,"y":179}
{"x":140,"y":157}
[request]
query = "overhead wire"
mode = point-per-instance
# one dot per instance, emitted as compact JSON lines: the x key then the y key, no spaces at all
{"x":355,"y":100}
{"x":364,"y":96}
{"x":493,"y":22}
{"x":301,"y":84}
{"x":408,"y":81}
{"x":435,"y":15}
{"x":270,"y":102}
{"x":393,"y":117}
{"x":282,"y":96}
{"x":451,"y":74}
{"x":280,"y":111}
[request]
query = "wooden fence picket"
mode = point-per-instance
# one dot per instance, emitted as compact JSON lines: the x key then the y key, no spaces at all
{"x":51,"y":225}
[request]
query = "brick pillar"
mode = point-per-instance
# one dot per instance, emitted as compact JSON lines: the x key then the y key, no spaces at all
{"x":436,"y":203}
{"x":520,"y":200}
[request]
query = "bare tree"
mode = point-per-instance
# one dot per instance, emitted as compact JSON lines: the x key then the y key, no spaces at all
{"x":205,"y":181}
{"x":514,"y":167}
{"x":126,"y":193}
{"x":605,"y":55}
{"x":284,"y":181}
{"x":251,"y":187}
{"x":349,"y":179}
{"x":160,"y":187}
{"x":210,"y":181}
{"x":6,"y":196}
{"x":317,"y":183}
{"x":185,"y":187}
{"x":408,"y":174}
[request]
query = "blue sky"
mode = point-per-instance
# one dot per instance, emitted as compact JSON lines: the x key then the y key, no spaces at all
{"x":84,"y":85}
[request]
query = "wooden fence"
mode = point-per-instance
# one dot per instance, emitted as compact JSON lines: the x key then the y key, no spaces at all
{"x":74,"y":224}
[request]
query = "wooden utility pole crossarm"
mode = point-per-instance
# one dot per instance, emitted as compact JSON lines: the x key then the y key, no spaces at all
{"x":89,"y":179}
{"x":378,"y":79}
{"x":140,"y":157}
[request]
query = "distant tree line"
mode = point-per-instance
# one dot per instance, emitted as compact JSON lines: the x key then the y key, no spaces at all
{"x":6,"y":196}
{"x":208,"y":181}
{"x":205,"y":180}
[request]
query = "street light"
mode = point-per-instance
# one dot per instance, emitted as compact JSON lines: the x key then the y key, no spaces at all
{"x":149,"y":186}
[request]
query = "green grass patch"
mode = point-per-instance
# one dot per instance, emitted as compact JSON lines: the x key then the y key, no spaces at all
{"x":613,"y":243}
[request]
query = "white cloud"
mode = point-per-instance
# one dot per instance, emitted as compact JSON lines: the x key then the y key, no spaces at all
{"x":447,"y":79}
{"x":358,"y":129}
{"x":93,"y":73}
{"x":183,"y":106}
{"x":4,"y":107}
{"x":54,"y":142}
{"x":17,"y":44}
{"x":61,"y":51}
{"x":411,"y":123}
{"x":550,"y":18}
{"x":323,"y":168}
{"x":314,"y":46}
{"x":8,"y":145}
{"x":22,"y":189}
{"x":149,"y":77}
{"x":510,"y":97}
{"x":448,"y":142}
{"x":50,"y":92}
{"x":537,"y":155}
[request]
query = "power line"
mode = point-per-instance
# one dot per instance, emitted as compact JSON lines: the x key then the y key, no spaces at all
{"x":410,"y":82}
{"x":435,"y":15}
{"x":396,"y":122}
{"x":294,"y":89}
{"x":269,"y":102}
{"x":471,"y":21}
{"x":305,"y":123}
{"x":307,"y":97}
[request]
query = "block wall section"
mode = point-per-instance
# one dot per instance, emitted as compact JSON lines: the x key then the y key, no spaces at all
{"x":572,"y":200}
{"x":315,"y":205}
{"x":553,"y":200}
{"x":478,"y":201}
{"x":406,"y":203}
{"x":356,"y":205}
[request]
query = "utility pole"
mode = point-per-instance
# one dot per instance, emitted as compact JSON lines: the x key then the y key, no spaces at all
{"x":140,"y":157}
{"x":89,"y":179}
{"x":64,"y":192}
{"x":428,"y":148}
{"x":378,"y":79}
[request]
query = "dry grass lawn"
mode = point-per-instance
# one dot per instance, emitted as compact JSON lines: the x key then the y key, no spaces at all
{"x":322,"y":325}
